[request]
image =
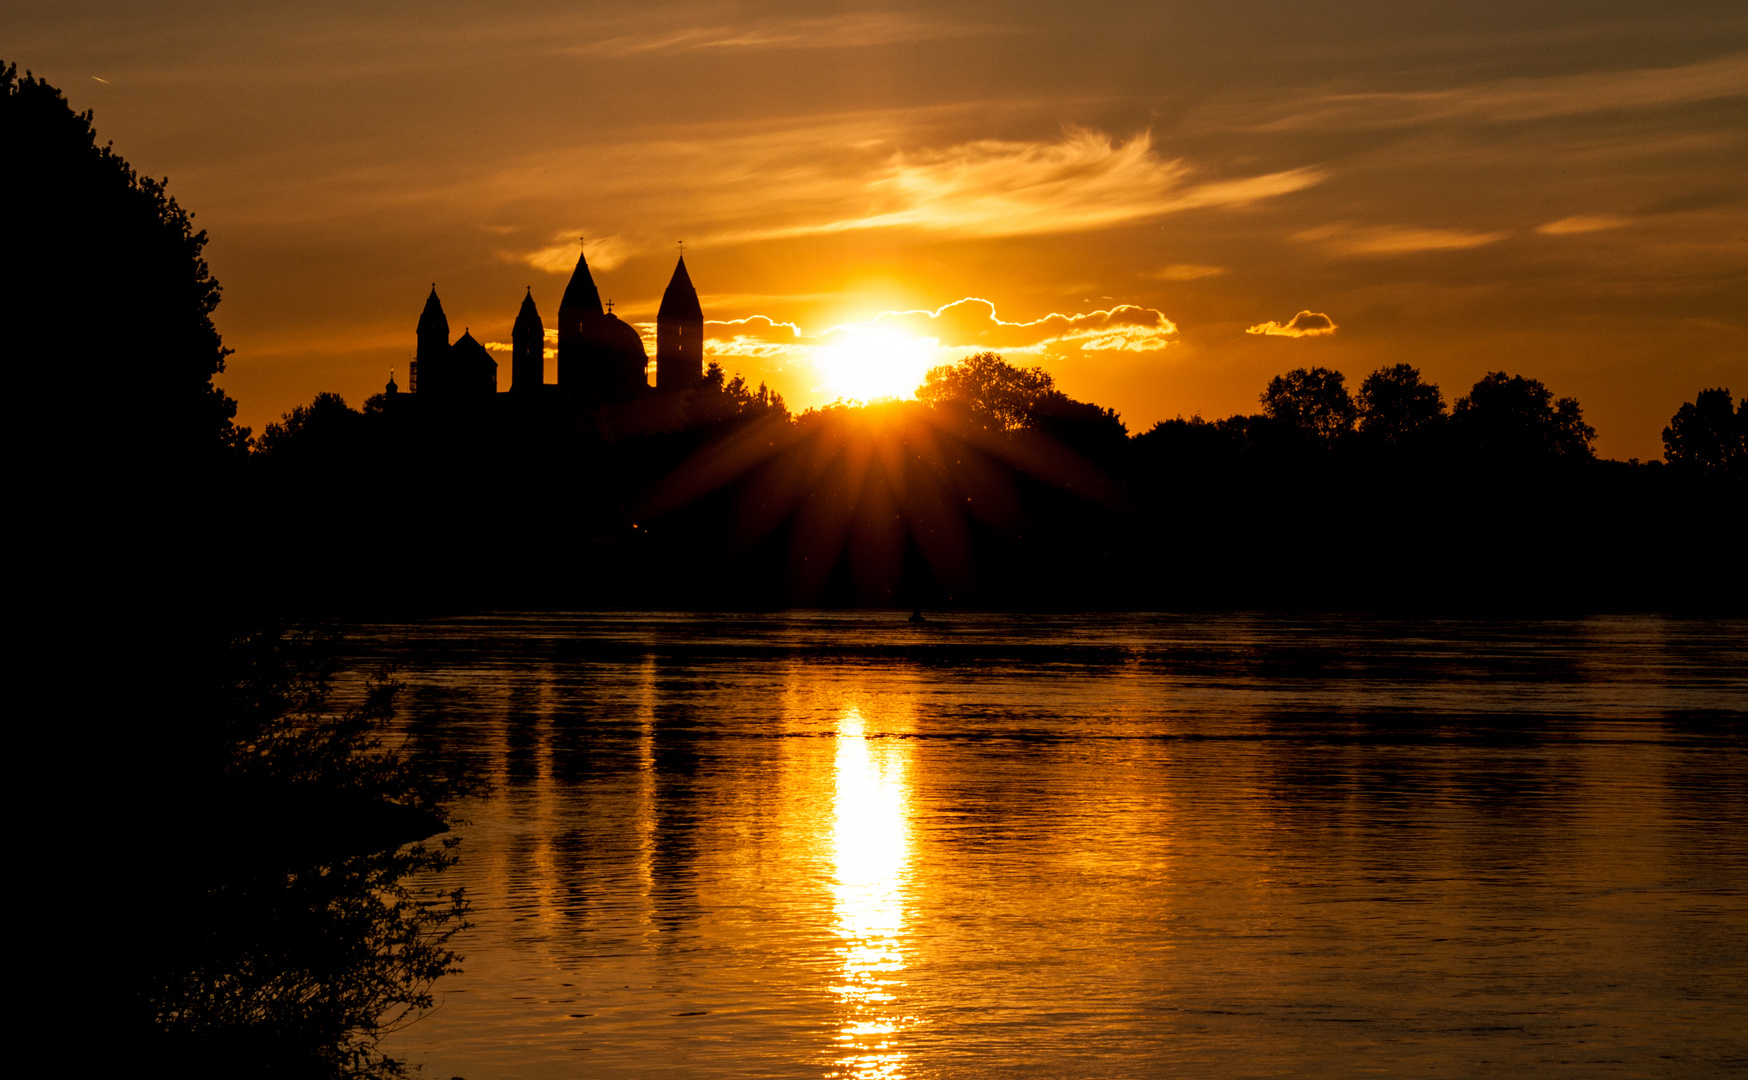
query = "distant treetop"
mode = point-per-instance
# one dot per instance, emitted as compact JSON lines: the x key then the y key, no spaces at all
{"x":1509,"y":416}
{"x":1708,"y":435}
{"x":1313,"y":399}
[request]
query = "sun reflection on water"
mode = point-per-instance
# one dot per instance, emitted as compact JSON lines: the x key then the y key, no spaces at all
{"x":871,"y":849}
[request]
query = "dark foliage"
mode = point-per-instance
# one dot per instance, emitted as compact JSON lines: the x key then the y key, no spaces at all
{"x":995,"y":489}
{"x":226,"y":859}
{"x":1707,"y":435}
{"x":738,"y":397}
{"x":1312,"y":399}
{"x":992,"y":392}
{"x":1511,"y":418}
{"x":998,"y":396}
{"x":109,"y":278}
{"x":324,"y":425}
{"x":285,"y":937}
{"x":1395,"y":405}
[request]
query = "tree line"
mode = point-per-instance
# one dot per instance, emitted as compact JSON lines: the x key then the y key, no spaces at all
{"x":1048,"y":501}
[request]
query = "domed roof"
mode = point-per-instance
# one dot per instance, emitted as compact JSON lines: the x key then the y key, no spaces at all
{"x":620,"y":336}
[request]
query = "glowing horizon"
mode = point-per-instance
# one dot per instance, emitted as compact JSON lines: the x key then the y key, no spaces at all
{"x":1441,"y":185}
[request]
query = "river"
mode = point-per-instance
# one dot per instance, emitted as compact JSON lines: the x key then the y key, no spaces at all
{"x":846,"y":846}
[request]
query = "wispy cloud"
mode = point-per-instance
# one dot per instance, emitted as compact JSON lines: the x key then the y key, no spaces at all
{"x":852,"y":175}
{"x":1187,"y":272}
{"x":1582,"y":224}
{"x":1525,"y":99}
{"x":1394,"y":239}
{"x":1304,"y":324}
{"x":1086,"y":180}
{"x":560,"y":257}
{"x":850,"y":30}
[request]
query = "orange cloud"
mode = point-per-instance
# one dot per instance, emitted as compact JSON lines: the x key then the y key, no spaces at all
{"x":1394,"y":239}
{"x":1187,"y":272}
{"x":972,"y":323}
{"x":991,"y":188}
{"x":754,"y":336}
{"x":1524,"y":99}
{"x":560,"y":257}
{"x":1581,"y":224}
{"x":1304,"y":324}
{"x":853,"y":30}
{"x":721,"y":186}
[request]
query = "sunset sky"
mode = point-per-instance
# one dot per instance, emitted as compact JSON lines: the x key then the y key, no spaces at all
{"x":1142,"y":197}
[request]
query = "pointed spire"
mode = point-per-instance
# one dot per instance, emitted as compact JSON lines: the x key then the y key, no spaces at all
{"x":680,"y":301}
{"x":581,"y":292}
{"x":432,"y":320}
{"x":528,"y":318}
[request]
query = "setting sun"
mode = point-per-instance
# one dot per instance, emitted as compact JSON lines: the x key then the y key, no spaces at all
{"x":867,"y":363}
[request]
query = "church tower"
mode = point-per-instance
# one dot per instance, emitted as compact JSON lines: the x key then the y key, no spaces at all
{"x":527,"y":349}
{"x":433,"y":348}
{"x":679,"y":334}
{"x":600,"y":356}
{"x":578,"y":312}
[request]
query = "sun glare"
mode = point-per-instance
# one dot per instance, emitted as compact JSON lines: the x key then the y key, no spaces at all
{"x":866,"y":363}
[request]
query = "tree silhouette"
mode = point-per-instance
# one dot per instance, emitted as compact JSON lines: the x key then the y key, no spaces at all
{"x":995,"y":393}
{"x":1394,"y":403}
{"x":1509,"y":416}
{"x":326,"y":422}
{"x":114,"y":286}
{"x":1313,"y":399}
{"x":1707,"y":434}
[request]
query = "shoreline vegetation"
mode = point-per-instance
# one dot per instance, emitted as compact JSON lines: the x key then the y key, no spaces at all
{"x":223,"y":876}
{"x":267,"y":840}
{"x":994,"y":490}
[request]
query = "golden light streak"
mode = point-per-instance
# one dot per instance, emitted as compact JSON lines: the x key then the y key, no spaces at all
{"x":871,"y":864}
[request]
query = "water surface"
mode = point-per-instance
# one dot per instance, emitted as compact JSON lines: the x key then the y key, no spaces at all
{"x":844,"y":846}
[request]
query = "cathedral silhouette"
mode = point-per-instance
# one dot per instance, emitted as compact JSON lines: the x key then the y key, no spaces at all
{"x":601,"y":358}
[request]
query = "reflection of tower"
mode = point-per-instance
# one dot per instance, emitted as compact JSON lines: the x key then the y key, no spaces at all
{"x":527,"y":349}
{"x":433,"y":339}
{"x":679,"y":333}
